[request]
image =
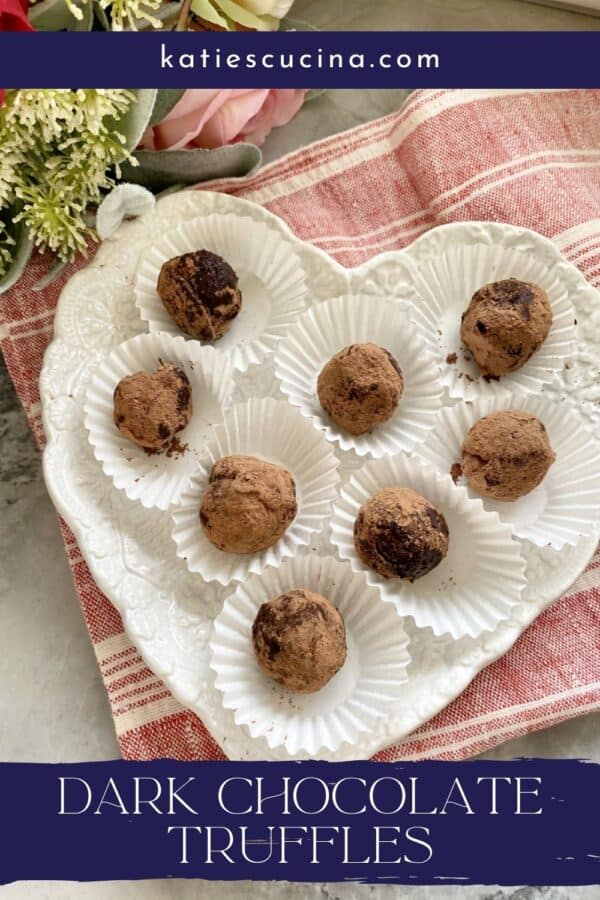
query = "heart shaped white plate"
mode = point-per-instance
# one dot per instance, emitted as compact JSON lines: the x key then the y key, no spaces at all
{"x":167,"y":611}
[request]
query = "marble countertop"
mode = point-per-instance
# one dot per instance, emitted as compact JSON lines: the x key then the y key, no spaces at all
{"x":53,"y":705}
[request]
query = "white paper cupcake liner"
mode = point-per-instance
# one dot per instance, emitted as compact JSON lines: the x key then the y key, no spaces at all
{"x":275,"y":432}
{"x":566,"y":505}
{"x":478,"y":583}
{"x":156,"y":480}
{"x":327,"y":328}
{"x":271,"y":279}
{"x":371,"y":678}
{"x":452,"y":262}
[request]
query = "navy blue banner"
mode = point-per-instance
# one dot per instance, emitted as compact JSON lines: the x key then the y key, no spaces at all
{"x":302,"y":60}
{"x":520,"y":822}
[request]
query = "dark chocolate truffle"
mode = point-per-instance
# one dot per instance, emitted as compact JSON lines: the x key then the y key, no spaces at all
{"x":505,"y":323}
{"x":200,"y":292}
{"x":150,"y":408}
{"x":299,"y":640}
{"x":506,"y":455}
{"x":400,"y":534}
{"x":248,"y":505}
{"x":360,"y":387}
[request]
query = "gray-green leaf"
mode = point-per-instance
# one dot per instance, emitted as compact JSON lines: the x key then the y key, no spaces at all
{"x":22,"y":252}
{"x":55,"y":15}
{"x":166,"y":13}
{"x":160,"y":169}
{"x":135,"y":121}
{"x":166,"y":99}
{"x":57,"y":268}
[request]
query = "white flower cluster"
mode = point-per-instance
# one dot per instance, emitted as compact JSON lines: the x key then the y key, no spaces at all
{"x":60,"y":151}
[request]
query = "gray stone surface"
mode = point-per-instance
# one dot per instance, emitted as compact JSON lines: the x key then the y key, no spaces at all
{"x":202,"y":890}
{"x":53,"y":706}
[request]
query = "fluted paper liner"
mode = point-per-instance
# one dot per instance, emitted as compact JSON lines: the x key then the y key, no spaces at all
{"x":327,"y":328}
{"x":452,"y":262}
{"x":371,"y":678}
{"x":566,"y":505}
{"x":275,"y":432}
{"x":271,"y":279}
{"x":156,"y":480}
{"x":478,"y":583}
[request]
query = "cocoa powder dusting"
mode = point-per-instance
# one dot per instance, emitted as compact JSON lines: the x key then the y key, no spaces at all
{"x":456,"y":471}
{"x":299,"y":640}
{"x":399,"y":533}
{"x":504,"y":324}
{"x":506,"y":455}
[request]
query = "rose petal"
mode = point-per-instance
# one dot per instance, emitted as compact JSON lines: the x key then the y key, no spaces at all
{"x":281,"y":8}
{"x":187,"y":118}
{"x":213,"y":118}
{"x":226,"y":125}
{"x":13,"y":15}
{"x":278,"y":109}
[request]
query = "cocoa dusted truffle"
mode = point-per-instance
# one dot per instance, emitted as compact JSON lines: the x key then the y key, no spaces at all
{"x":150,"y":408}
{"x":200,"y":292}
{"x":299,"y":640}
{"x":360,"y":387}
{"x":400,"y":534}
{"x":506,"y":455}
{"x":248,"y":504}
{"x":505,"y":323}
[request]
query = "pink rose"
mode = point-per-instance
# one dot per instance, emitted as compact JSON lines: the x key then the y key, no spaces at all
{"x":210,"y":119}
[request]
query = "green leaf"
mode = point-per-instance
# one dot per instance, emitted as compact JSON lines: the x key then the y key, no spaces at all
{"x":166,"y":99}
{"x":22,"y":253}
{"x":160,"y":169}
{"x":166,"y":13}
{"x":87,"y":23}
{"x":137,"y":118}
{"x":55,"y":15}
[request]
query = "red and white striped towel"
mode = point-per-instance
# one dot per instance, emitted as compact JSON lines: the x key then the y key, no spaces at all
{"x":531,"y":159}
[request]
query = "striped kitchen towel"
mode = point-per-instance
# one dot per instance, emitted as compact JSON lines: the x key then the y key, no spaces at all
{"x":528,"y":158}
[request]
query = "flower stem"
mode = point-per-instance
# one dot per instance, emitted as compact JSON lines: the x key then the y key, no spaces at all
{"x":183,"y":16}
